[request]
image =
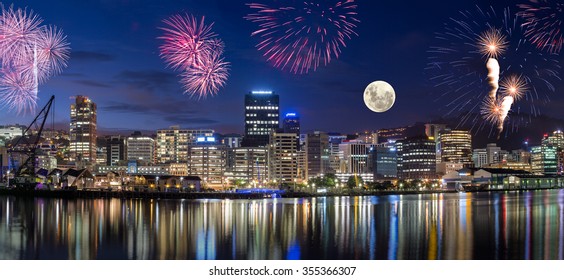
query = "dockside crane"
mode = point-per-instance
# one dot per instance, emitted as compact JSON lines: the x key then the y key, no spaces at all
{"x":26,"y":174}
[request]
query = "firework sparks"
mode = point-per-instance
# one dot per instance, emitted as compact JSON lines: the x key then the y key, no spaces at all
{"x":492,"y":43}
{"x":456,"y":66}
{"x":543,"y":23}
{"x":187,"y":42}
{"x":301,"y":35}
{"x":491,"y":110}
{"x":18,"y":92}
{"x":207,"y":78}
{"x":29,"y":54}
{"x":192,"y":48}
{"x":514,"y":86}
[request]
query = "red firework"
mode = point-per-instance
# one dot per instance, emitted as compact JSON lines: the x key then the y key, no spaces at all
{"x":302,"y":36}
{"x":543,"y":23}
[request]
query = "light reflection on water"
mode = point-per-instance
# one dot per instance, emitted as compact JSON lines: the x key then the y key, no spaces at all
{"x":516,"y":225}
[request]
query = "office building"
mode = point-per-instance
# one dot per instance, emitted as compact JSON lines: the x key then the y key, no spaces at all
{"x":283,"y":158}
{"x":455,"y":146}
{"x":115,"y":150}
{"x":232,"y":140}
{"x":141,"y":148}
{"x":250,"y":165}
{"x":173,"y":143}
{"x":207,"y":160}
{"x":416,"y":158}
{"x":385,"y":162}
{"x":544,"y":159}
{"x":317,"y":154}
{"x":261,"y":117}
{"x":82,"y":134}
{"x":480,"y":157}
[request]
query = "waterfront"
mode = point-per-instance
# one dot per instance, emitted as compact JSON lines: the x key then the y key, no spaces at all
{"x":488,"y":225}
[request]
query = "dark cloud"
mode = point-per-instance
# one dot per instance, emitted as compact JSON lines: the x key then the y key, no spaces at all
{"x":92,"y":56}
{"x":171,"y":112}
{"x":148,"y":79}
{"x":166,"y":109}
{"x":91,"y":83}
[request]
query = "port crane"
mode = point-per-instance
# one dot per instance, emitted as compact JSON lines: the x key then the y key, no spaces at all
{"x":26,"y":146}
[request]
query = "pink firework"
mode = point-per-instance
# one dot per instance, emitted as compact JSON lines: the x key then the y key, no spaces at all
{"x":207,"y":78}
{"x":192,"y":48}
{"x":52,"y":52}
{"x":187,"y":41}
{"x":543,"y":23}
{"x":300,"y":35}
{"x":18,"y":32}
{"x":18,"y":92}
{"x":29,"y":54}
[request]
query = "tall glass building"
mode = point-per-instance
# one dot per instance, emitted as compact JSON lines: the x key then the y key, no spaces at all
{"x":83,"y":131}
{"x":261,"y":117}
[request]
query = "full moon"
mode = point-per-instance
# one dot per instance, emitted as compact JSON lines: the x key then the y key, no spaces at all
{"x":379,"y":96}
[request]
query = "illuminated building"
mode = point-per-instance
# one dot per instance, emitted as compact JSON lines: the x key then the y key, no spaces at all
{"x":385,"y":162}
{"x":291,"y":123}
{"x":283,"y":157}
{"x":141,"y":148}
{"x":115,"y":150}
{"x":334,"y":153}
{"x":416,"y":158}
{"x":479,"y":157}
{"x":250,"y":165}
{"x":433,"y":130}
{"x":232,"y":140}
{"x":207,"y":160}
{"x":355,"y":158}
{"x":173,"y":143}
{"x":317,"y":154}
{"x":83,"y":131}
{"x":544,"y":159}
{"x":494,"y":153}
{"x":455,"y":146}
{"x":261,"y":117}
{"x":556,"y":139}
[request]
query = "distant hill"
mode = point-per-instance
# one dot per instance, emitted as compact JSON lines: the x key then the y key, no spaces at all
{"x":518,"y":130}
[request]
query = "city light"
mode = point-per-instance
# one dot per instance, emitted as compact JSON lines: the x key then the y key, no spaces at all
{"x":261,"y":92}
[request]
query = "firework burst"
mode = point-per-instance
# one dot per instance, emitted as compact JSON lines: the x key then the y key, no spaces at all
{"x":208,"y":78}
{"x":491,"y":110}
{"x":543,"y":23}
{"x":492,"y":43}
{"x":514,"y":86}
{"x":29,"y":55}
{"x":18,"y":92}
{"x":457,"y":66}
{"x":190,"y":46}
{"x":302,"y":35}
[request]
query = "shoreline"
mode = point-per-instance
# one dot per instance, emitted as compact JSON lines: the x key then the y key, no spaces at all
{"x":71,"y":194}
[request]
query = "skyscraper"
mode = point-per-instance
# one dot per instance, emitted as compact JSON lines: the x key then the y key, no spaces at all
{"x":83,"y":131}
{"x":261,"y":117}
{"x":544,"y":159}
{"x":291,"y":123}
{"x":385,"y":162}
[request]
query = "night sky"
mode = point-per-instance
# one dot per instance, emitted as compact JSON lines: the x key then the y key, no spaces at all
{"x":115,"y":61}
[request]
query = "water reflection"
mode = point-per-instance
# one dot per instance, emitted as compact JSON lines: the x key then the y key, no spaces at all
{"x":520,"y":225}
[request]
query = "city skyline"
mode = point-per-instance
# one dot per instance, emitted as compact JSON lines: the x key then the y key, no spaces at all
{"x":143,"y":94}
